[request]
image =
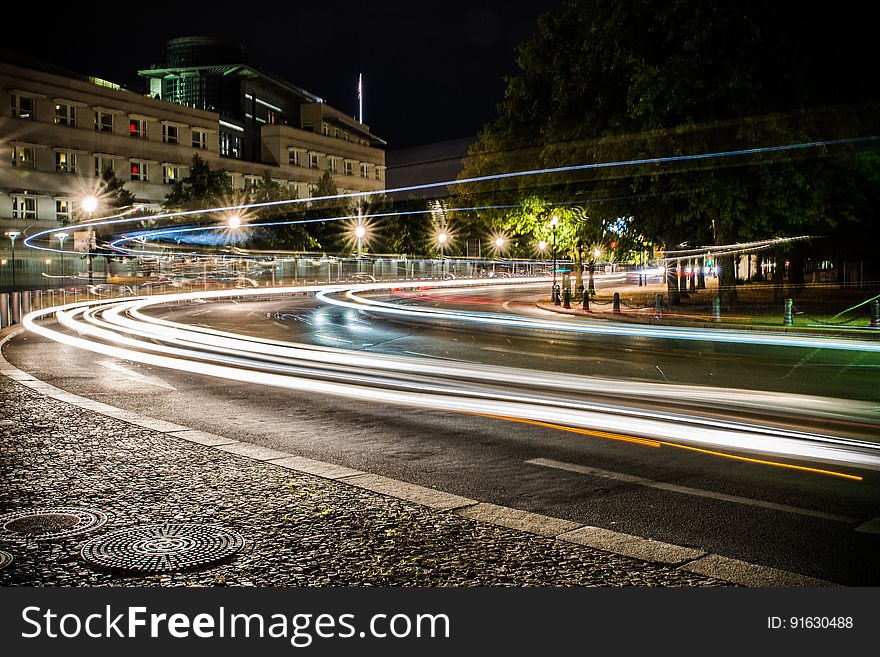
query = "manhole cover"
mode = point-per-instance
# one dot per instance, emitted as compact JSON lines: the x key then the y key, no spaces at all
{"x":162,"y":548}
{"x":5,"y":559}
{"x":43,"y":524}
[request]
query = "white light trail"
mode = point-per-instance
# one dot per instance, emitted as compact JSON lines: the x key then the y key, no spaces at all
{"x":120,"y":329}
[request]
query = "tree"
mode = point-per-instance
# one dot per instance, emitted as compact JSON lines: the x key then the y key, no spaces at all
{"x":204,"y":187}
{"x":290,"y":233}
{"x":607,"y":81}
{"x":327,"y":234}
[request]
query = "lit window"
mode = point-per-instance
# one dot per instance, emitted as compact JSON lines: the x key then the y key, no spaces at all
{"x":137,"y":128}
{"x":24,"y":157}
{"x":24,"y":207}
{"x":103,"y":121}
{"x":103,"y":164}
{"x":230,"y":145}
{"x":364,"y":170}
{"x":349,"y":168}
{"x":378,"y":173}
{"x":63,"y":209}
{"x":23,"y":106}
{"x":170,"y":173}
{"x":170,"y":134}
{"x":251,"y":182}
{"x":272,"y":117}
{"x":65,"y":162}
{"x":140,"y":171}
{"x":199,"y":139}
{"x":293,"y":157}
{"x":65,"y":114}
{"x":313,"y":160}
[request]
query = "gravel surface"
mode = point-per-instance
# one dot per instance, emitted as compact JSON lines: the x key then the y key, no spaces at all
{"x":298,"y":529}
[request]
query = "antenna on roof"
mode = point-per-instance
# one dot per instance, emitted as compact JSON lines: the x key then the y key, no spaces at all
{"x":361,"y":97}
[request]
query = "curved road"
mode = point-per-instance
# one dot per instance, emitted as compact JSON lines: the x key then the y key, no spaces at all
{"x":799,"y":520}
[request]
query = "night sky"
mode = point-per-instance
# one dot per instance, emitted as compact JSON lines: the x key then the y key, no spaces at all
{"x":433,"y":69}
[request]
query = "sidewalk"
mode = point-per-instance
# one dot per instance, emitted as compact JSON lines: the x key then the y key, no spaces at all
{"x":755,"y":313}
{"x":298,"y":529}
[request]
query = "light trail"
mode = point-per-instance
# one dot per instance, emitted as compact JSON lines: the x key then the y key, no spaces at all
{"x":120,"y":329}
{"x":736,"y":153}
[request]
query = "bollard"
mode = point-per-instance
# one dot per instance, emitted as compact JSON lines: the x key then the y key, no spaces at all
{"x":15,"y":309}
{"x":658,"y":306}
{"x":875,"y":314}
{"x":616,"y":307}
{"x":556,"y":295}
{"x":4,"y":309}
{"x":39,"y":299}
{"x":25,"y":303}
{"x":641,"y":278}
{"x":566,"y":298}
{"x":716,"y":309}
{"x":586,"y":300}
{"x":787,"y":316}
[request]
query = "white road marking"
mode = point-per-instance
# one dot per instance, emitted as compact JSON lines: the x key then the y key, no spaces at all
{"x":870,"y":527}
{"x":675,"y":488}
{"x":328,"y":337}
{"x":136,"y":376}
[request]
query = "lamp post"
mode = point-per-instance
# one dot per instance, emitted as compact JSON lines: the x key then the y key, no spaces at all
{"x":61,"y":237}
{"x":554,"y":222}
{"x":12,"y":234}
{"x":442,"y":239}
{"x":89,"y":204}
{"x":499,"y":246}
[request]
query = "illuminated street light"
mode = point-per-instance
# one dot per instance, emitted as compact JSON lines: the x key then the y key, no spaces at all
{"x":12,"y":234}
{"x":234,"y":222}
{"x":499,"y":243}
{"x":89,"y":204}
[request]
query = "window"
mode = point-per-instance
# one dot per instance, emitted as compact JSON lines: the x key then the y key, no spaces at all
{"x":345,"y":136}
{"x":294,"y":189}
{"x":140,"y":171}
{"x":313,"y":160}
{"x":24,"y":157}
{"x":378,"y":173}
{"x":230,"y":145}
{"x":331,"y":163}
{"x":103,"y":164}
{"x":65,"y":162}
{"x":23,"y":107}
{"x":170,"y":134}
{"x":65,"y":114}
{"x":364,"y":170}
{"x":308,"y":126}
{"x":199,"y":139}
{"x":349,"y":168}
{"x":170,"y":173}
{"x":272,"y":117}
{"x":336,"y":132}
{"x":63,"y":209}
{"x":251,"y":182}
{"x":103,"y":121}
{"x":313,"y":189}
{"x":137,"y":128}
{"x":325,"y":129}
{"x":24,"y":207}
{"x":293,"y":157}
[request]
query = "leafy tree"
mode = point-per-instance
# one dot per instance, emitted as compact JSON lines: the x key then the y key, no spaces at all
{"x":620,"y":80}
{"x":327,"y":234}
{"x":286,"y":236}
{"x":204,"y":187}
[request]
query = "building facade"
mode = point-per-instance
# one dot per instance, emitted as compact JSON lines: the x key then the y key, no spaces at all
{"x":61,"y":131}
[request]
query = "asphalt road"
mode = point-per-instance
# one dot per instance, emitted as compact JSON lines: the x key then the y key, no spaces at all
{"x":799,"y":521}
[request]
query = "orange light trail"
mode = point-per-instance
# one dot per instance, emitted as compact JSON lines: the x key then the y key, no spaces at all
{"x":663,"y":443}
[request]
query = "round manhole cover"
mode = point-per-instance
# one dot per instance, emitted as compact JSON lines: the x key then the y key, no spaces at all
{"x":43,"y":524}
{"x":162,"y":548}
{"x":5,"y":559}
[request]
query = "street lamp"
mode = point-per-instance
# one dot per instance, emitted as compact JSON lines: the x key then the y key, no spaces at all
{"x":359,"y":233}
{"x":554,"y":222}
{"x":12,"y":234}
{"x":61,"y":237}
{"x":89,"y":204}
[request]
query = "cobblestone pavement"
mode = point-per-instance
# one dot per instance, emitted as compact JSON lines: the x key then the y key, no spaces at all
{"x":299,"y":530}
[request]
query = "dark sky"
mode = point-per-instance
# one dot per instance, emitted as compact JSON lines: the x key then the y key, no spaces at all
{"x":432,"y":69}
